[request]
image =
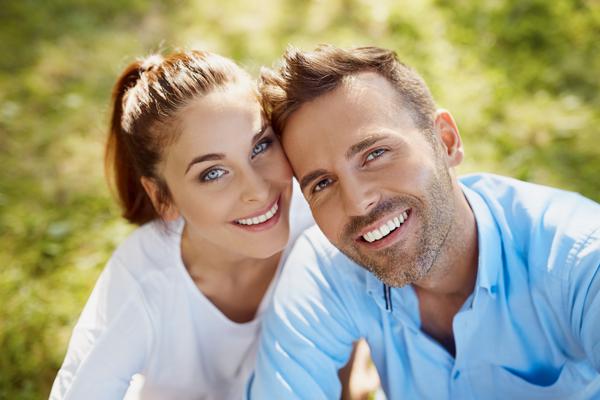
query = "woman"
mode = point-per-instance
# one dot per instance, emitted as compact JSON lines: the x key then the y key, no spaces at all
{"x":179,"y":303}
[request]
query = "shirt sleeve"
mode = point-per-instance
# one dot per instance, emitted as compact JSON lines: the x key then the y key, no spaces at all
{"x":109,"y":342}
{"x":307,"y":332}
{"x":585,"y":297}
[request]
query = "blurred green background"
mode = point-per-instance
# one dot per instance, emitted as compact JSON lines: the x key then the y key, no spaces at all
{"x":520,"y":76}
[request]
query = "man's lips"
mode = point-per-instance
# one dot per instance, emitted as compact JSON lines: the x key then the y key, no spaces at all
{"x":390,"y":221}
{"x":378,"y":237}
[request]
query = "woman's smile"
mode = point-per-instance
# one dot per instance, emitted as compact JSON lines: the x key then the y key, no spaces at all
{"x":261,"y":220}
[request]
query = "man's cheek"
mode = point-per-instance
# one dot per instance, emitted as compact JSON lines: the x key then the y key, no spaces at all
{"x":325,"y":224}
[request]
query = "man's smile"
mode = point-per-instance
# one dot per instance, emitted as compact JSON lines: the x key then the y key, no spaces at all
{"x":385,"y":231}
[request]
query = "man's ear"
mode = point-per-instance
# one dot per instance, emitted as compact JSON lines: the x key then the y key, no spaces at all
{"x":447,"y":131}
{"x":167,"y":211}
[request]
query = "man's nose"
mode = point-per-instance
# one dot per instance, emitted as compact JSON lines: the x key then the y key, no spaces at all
{"x":358,"y":196}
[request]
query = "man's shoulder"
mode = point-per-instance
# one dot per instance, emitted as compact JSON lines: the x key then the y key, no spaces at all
{"x":503,"y":188}
{"x":315,"y":256}
{"x":532,"y":203}
{"x":548,"y":226}
{"x":324,"y":250}
{"x":316,"y":240}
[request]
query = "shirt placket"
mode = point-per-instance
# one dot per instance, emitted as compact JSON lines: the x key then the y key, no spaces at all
{"x":458,"y":384}
{"x":463,"y":381}
{"x":405,"y":309}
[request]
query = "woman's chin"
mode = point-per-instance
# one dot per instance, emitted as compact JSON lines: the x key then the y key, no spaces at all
{"x":267,"y":251}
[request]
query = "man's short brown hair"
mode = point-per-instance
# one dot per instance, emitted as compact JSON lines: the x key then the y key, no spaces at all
{"x":304,"y":76}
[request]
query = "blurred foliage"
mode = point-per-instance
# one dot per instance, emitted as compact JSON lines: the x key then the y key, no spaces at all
{"x":520,"y":76}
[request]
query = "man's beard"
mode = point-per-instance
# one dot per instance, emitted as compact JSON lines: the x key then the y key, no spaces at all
{"x":398,"y":265}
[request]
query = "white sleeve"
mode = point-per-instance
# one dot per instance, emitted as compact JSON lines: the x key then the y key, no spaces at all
{"x":110,"y":341}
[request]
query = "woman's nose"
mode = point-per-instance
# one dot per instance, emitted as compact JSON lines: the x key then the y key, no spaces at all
{"x":255,"y":187}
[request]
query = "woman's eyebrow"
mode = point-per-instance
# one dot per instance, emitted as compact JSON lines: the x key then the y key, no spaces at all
{"x":221,"y":156}
{"x":257,"y":135}
{"x":205,"y":157}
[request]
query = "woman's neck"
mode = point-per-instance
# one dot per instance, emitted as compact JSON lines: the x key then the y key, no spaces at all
{"x":234,"y":283}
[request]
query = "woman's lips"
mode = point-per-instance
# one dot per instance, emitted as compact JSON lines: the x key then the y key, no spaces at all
{"x":261,"y":220}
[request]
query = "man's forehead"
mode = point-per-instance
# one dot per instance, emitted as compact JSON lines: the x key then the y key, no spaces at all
{"x":356,"y":110}
{"x":365,"y":95}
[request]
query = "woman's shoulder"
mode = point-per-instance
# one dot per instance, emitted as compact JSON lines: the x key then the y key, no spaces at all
{"x":153,"y":246}
{"x":144,"y":268}
{"x":139,"y":271}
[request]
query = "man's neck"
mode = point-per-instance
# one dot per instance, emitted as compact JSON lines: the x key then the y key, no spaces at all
{"x":451,"y":280}
{"x":455,"y":270}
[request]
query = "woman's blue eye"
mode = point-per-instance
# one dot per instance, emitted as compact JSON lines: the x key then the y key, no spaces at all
{"x":213,"y":174}
{"x":260,"y":148}
{"x":322,"y":184}
{"x":374,"y":154}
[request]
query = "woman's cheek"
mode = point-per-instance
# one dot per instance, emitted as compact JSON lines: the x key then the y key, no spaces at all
{"x":277,"y":169}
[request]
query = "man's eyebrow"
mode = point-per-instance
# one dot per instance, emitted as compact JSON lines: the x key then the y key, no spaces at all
{"x":220,"y":156}
{"x":311,"y":176}
{"x":363,"y":144}
{"x":205,"y":157}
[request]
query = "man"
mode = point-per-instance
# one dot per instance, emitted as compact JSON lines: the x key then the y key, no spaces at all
{"x":483,"y":287}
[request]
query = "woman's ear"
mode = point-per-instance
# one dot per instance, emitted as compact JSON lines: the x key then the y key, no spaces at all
{"x":166,"y":210}
{"x":447,"y":131}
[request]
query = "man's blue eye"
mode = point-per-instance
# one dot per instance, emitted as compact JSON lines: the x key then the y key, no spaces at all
{"x":260,"y":147}
{"x":322,"y":184}
{"x":213,"y":174}
{"x":374,"y":154}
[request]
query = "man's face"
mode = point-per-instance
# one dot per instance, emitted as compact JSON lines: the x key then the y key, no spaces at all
{"x":377,"y":187}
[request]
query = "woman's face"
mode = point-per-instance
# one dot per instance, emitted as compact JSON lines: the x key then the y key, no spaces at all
{"x":228,"y":175}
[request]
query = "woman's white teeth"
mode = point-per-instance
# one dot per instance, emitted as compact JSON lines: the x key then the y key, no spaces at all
{"x":385,"y":228}
{"x":261,"y":218}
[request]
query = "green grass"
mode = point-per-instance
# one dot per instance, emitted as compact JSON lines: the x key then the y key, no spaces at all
{"x":525,"y":96}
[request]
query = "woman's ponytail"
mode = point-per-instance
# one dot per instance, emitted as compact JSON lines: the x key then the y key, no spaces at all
{"x":119,"y":161}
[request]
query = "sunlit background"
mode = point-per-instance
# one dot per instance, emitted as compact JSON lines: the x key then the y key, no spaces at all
{"x":520,"y":76}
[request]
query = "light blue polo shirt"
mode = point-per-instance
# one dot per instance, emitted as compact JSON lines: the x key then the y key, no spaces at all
{"x":529,"y":330}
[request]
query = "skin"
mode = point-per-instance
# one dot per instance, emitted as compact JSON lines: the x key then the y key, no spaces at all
{"x":230,"y":263}
{"x":359,"y":377}
{"x":362,"y":161}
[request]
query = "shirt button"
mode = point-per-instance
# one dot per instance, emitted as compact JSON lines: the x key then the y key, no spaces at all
{"x":494,"y":289}
{"x":456,"y":375}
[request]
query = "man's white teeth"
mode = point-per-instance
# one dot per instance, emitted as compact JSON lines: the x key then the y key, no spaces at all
{"x":261,"y":218}
{"x":385,"y":228}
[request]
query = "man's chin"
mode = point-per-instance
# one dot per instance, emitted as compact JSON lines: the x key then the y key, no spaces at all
{"x":390,"y":272}
{"x":397,"y":278}
{"x":393,"y":281}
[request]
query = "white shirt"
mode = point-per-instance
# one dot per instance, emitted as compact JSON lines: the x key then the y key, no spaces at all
{"x":148,"y":332}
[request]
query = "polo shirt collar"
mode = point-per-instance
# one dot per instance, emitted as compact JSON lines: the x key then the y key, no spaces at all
{"x":489,"y":242}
